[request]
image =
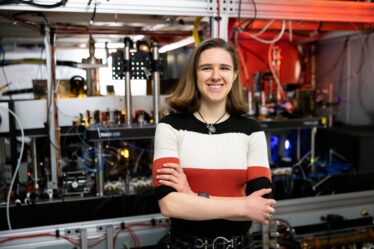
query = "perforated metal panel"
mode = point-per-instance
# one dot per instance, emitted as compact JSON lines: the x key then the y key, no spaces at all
{"x":140,"y":65}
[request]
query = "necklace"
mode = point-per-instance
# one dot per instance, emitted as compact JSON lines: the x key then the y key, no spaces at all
{"x":210,"y":127}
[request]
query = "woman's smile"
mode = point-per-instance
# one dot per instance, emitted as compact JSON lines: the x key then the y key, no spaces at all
{"x":215,"y":75}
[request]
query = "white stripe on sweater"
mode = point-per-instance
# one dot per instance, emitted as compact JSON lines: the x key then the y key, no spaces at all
{"x":220,"y":151}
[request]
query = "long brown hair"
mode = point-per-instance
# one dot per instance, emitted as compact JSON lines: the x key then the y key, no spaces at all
{"x":186,"y":97}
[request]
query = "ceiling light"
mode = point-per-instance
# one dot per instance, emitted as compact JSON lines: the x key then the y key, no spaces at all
{"x":178,"y":44}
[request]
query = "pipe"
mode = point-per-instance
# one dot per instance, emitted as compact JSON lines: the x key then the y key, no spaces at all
{"x":338,"y":240}
{"x":156,"y":81}
{"x":54,"y":130}
{"x":100,"y":170}
{"x":127,"y":77}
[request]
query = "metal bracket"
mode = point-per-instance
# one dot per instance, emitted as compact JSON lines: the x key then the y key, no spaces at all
{"x":227,"y":7}
{"x":109,"y":229}
{"x":81,"y":232}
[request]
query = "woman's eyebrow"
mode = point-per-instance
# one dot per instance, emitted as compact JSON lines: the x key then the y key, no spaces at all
{"x":209,"y":64}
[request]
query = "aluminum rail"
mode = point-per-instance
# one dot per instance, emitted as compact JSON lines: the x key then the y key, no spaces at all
{"x":129,"y":232}
{"x":311,"y":10}
{"x":150,"y":229}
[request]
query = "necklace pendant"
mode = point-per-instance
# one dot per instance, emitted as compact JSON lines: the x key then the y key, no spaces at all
{"x":211,"y":128}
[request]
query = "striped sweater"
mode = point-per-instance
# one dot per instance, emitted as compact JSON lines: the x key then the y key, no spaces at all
{"x":231,"y":162}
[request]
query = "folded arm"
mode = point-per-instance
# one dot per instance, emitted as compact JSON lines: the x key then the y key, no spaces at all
{"x":185,"y":204}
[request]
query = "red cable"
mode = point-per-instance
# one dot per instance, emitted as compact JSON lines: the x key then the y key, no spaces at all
{"x":242,"y":61}
{"x":36,"y":236}
{"x":99,"y":239}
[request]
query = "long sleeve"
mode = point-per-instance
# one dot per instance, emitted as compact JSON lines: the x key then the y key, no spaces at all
{"x":258,"y":172}
{"x":165,"y":151}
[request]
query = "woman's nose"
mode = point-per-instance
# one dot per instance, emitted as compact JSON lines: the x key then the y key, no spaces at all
{"x":216,"y":74}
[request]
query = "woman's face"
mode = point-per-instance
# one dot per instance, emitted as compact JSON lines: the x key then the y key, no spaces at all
{"x":215,"y":75}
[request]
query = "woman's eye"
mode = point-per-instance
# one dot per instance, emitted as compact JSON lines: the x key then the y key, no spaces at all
{"x":205,"y":68}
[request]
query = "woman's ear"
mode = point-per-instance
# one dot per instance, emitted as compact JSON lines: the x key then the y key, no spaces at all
{"x":236,"y":73}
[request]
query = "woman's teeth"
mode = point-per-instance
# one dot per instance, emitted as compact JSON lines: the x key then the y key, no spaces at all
{"x":215,"y":86}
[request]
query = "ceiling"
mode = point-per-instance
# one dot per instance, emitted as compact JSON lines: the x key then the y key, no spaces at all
{"x":72,"y":29}
{"x":23,"y":25}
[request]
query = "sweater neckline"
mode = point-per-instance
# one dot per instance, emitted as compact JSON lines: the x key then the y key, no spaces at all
{"x":203,"y":126}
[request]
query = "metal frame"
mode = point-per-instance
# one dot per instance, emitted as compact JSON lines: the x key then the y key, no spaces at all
{"x":298,"y":212}
{"x":53,"y":126}
{"x":330,"y":11}
{"x":301,"y":211}
{"x":324,"y":11}
{"x":149,"y":229}
{"x":220,"y":11}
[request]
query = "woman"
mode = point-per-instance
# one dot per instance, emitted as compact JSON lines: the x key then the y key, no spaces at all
{"x":210,"y":168}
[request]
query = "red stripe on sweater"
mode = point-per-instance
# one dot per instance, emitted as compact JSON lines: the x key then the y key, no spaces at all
{"x":254,"y":172}
{"x":217,"y":182}
{"x":158,"y":164}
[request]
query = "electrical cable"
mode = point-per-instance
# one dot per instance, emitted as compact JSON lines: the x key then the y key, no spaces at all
{"x":85,"y":157}
{"x":263,"y":29}
{"x":93,"y":13}
{"x":195,"y":32}
{"x":138,"y":161}
{"x":99,"y":239}
{"x":248,"y":26}
{"x":72,"y":241}
{"x":46,"y":6}
{"x":248,"y":22}
{"x":80,"y":138}
{"x":242,"y":60}
{"x":18,"y":164}
{"x":275,"y":76}
{"x":239,"y":11}
{"x":290,"y":34}
{"x":276,"y":39}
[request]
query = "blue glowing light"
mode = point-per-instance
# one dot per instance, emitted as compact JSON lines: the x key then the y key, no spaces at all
{"x":287,"y":144}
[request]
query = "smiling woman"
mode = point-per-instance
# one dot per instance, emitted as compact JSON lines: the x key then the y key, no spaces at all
{"x":210,"y":170}
{"x":216,"y":74}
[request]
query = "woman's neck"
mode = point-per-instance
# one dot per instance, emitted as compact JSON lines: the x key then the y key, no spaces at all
{"x":212,"y":112}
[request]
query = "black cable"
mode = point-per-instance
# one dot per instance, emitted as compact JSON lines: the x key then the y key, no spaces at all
{"x":50,"y":6}
{"x":240,"y":9}
{"x":93,"y":14}
{"x":249,"y":21}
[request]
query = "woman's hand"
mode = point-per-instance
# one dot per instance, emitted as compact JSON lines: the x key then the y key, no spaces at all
{"x":258,"y":208}
{"x":172,"y":175}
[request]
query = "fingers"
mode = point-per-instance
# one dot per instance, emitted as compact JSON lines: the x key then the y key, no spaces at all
{"x":271,"y":210}
{"x":169,"y":184}
{"x":170,"y":168}
{"x":167,"y":171}
{"x":271,"y":202}
{"x":166,"y":177}
{"x":268,"y":215}
{"x":173,"y":166}
{"x":262,"y":192}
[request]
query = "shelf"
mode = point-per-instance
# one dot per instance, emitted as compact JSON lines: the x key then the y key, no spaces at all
{"x":92,"y":134}
{"x":116,"y":133}
{"x":287,"y":124}
{"x":145,"y":132}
